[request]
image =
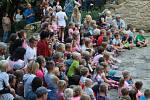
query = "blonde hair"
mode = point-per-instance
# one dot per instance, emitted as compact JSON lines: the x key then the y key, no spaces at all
{"x":32,"y":67}
{"x":61,"y":84}
{"x":88,"y":18}
{"x":3,"y":64}
{"x":76,"y":13}
{"x":76,"y":55}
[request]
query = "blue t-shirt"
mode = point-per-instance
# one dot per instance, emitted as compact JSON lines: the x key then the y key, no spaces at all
{"x":28,"y":12}
{"x":143,"y":98}
{"x":49,"y":79}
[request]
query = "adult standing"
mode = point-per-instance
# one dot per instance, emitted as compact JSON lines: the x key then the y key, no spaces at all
{"x":61,"y":20}
{"x":76,"y":16}
{"x":43,"y":46}
{"x":119,"y":23}
{"x":6,"y":23}
{"x":69,"y":6}
{"x":29,"y":14}
{"x":18,"y":20}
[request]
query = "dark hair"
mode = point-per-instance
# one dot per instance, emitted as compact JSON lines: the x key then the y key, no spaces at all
{"x":130,"y":27}
{"x":101,"y":59}
{"x":124,"y":91}
{"x":13,"y":37}
{"x":20,"y":34}
{"x":36,"y":83}
{"x":40,"y":60}
{"x":32,"y":39}
{"x":100,"y":50}
{"x":116,"y":35}
{"x":18,"y":54}
{"x":69,"y":40}
{"x":12,"y":41}
{"x":11,"y":78}
{"x":132,"y":94}
{"x":44,"y":35}
{"x":50,"y":65}
{"x":103,"y":89}
{"x":84,"y":71}
{"x":138,"y":85}
{"x":19,"y":75}
{"x":147,"y":93}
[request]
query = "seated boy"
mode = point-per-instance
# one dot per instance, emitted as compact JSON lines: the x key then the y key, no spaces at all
{"x":140,"y":40}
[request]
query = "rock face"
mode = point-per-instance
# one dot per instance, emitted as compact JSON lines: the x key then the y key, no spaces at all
{"x":136,"y":12}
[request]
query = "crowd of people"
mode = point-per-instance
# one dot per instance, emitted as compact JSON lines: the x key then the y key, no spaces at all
{"x":68,"y":59}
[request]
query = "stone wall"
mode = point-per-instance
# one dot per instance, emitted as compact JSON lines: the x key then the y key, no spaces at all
{"x":136,"y":12}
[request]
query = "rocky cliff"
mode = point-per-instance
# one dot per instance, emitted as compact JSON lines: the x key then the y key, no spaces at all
{"x":136,"y":12}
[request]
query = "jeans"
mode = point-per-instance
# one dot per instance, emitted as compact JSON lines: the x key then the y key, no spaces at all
{"x":5,"y":36}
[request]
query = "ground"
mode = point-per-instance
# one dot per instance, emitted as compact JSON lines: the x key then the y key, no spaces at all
{"x":137,"y":61}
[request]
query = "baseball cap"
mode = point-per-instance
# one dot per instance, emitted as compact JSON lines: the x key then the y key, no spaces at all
{"x":42,"y":90}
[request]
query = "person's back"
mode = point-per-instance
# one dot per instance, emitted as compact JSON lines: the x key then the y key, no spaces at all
{"x":27,"y":79}
{"x":49,"y":79}
{"x":31,"y":96}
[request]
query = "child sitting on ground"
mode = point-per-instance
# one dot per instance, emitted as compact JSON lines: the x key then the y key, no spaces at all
{"x":117,"y":45}
{"x":127,"y":41}
{"x":84,"y":73}
{"x":140,"y":40}
{"x":127,"y":78}
{"x":102,"y":93}
{"x":88,"y":88}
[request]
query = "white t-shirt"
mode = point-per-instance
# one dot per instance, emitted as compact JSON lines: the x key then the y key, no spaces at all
{"x":30,"y":54}
{"x":61,"y":18}
{"x":116,"y":42}
{"x":18,"y":17}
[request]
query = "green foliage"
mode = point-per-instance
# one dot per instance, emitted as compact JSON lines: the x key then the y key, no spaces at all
{"x":94,"y":12}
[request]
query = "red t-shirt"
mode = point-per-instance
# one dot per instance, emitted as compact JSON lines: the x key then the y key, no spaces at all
{"x":100,"y":40}
{"x":43,"y":49}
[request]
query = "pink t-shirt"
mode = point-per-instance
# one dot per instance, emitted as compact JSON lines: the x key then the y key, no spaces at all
{"x":70,"y":32}
{"x":60,"y":95}
{"x":76,"y":98}
{"x":138,"y":95}
{"x":54,"y":26}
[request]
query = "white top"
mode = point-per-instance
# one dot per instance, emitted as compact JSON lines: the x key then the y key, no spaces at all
{"x":18,"y":17}
{"x":61,"y":18}
{"x":88,"y":91}
{"x":30,"y":54}
{"x":116,"y":41}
